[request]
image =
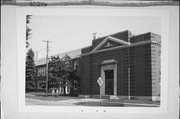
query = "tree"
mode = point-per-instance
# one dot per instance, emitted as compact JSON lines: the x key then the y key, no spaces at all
{"x":60,"y":73}
{"x":28,"y":30}
{"x":55,"y":72}
{"x":30,"y":70}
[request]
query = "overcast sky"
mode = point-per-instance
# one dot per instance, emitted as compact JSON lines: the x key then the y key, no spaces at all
{"x":74,"y":32}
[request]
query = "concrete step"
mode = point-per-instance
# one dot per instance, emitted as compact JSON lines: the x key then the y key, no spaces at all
{"x":84,"y":96}
{"x":102,"y":97}
{"x":113,"y":97}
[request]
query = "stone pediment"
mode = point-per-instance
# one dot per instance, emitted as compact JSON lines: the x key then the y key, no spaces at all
{"x":109,"y":42}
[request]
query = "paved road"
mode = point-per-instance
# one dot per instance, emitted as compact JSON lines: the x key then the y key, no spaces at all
{"x":84,"y":102}
{"x":67,"y":102}
{"x":41,"y":99}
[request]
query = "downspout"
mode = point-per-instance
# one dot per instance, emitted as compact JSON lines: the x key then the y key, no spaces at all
{"x":129,"y":85}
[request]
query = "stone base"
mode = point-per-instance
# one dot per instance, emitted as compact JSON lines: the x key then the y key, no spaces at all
{"x":122,"y":97}
{"x":149,"y":98}
{"x":113,"y":97}
{"x":84,"y":96}
{"x":155,"y":98}
{"x":142,"y":97}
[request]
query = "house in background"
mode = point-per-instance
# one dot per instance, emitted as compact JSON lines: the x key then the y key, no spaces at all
{"x":129,"y":66}
{"x":70,"y":60}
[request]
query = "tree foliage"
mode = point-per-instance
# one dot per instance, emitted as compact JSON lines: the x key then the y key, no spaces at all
{"x":30,"y":70}
{"x":28,"y":30}
{"x":54,"y":72}
{"x":60,"y":73}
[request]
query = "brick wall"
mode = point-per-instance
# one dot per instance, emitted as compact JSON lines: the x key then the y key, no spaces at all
{"x":92,"y":69}
{"x":142,"y":59}
{"x":85,"y":68}
{"x":140,"y":68}
{"x":156,"y":66}
{"x":97,"y":59}
{"x":141,"y":37}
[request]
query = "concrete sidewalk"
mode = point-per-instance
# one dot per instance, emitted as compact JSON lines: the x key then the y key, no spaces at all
{"x":41,"y":99}
{"x":68,"y":102}
{"x":85,"y":102}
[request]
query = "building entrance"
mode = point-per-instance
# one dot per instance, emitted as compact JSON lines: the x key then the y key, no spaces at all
{"x":109,"y":82}
{"x":109,"y":77}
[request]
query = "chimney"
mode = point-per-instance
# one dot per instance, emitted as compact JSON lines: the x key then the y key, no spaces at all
{"x":94,"y":35}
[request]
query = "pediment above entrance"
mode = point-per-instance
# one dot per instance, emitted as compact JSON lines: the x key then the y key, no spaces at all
{"x":111,"y":61}
{"x":110,"y":42}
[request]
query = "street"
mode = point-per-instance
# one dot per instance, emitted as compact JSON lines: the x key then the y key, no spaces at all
{"x":37,"y":99}
{"x":67,"y":102}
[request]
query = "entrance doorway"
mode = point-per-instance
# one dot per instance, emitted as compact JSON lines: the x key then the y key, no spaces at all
{"x":109,"y":77}
{"x":109,"y":82}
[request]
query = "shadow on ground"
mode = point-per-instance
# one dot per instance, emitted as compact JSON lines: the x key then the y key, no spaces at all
{"x":91,"y":103}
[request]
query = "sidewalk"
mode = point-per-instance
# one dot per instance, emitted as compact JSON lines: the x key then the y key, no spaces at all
{"x":41,"y":99}
{"x":124,"y":103}
{"x":65,"y":102}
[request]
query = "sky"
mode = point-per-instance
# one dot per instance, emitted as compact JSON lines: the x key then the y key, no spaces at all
{"x":68,"y":33}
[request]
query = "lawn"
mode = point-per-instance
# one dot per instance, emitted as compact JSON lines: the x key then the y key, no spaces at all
{"x":49,"y":97}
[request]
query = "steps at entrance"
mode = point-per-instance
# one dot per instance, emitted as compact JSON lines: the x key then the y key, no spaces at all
{"x":105,"y":96}
{"x":98,"y":96}
{"x":113,"y":97}
{"x":102,"y":97}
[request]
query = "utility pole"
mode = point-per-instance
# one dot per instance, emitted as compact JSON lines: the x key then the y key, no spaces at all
{"x":47,"y":51}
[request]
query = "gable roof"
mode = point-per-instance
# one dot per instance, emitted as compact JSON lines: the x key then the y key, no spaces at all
{"x":123,"y":35}
{"x":119,"y":41}
{"x":66,"y":55}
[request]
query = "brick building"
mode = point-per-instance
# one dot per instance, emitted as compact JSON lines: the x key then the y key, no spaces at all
{"x":70,"y":61}
{"x":129,"y":66}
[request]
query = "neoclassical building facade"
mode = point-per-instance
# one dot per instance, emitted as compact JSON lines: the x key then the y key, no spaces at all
{"x":129,"y":66}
